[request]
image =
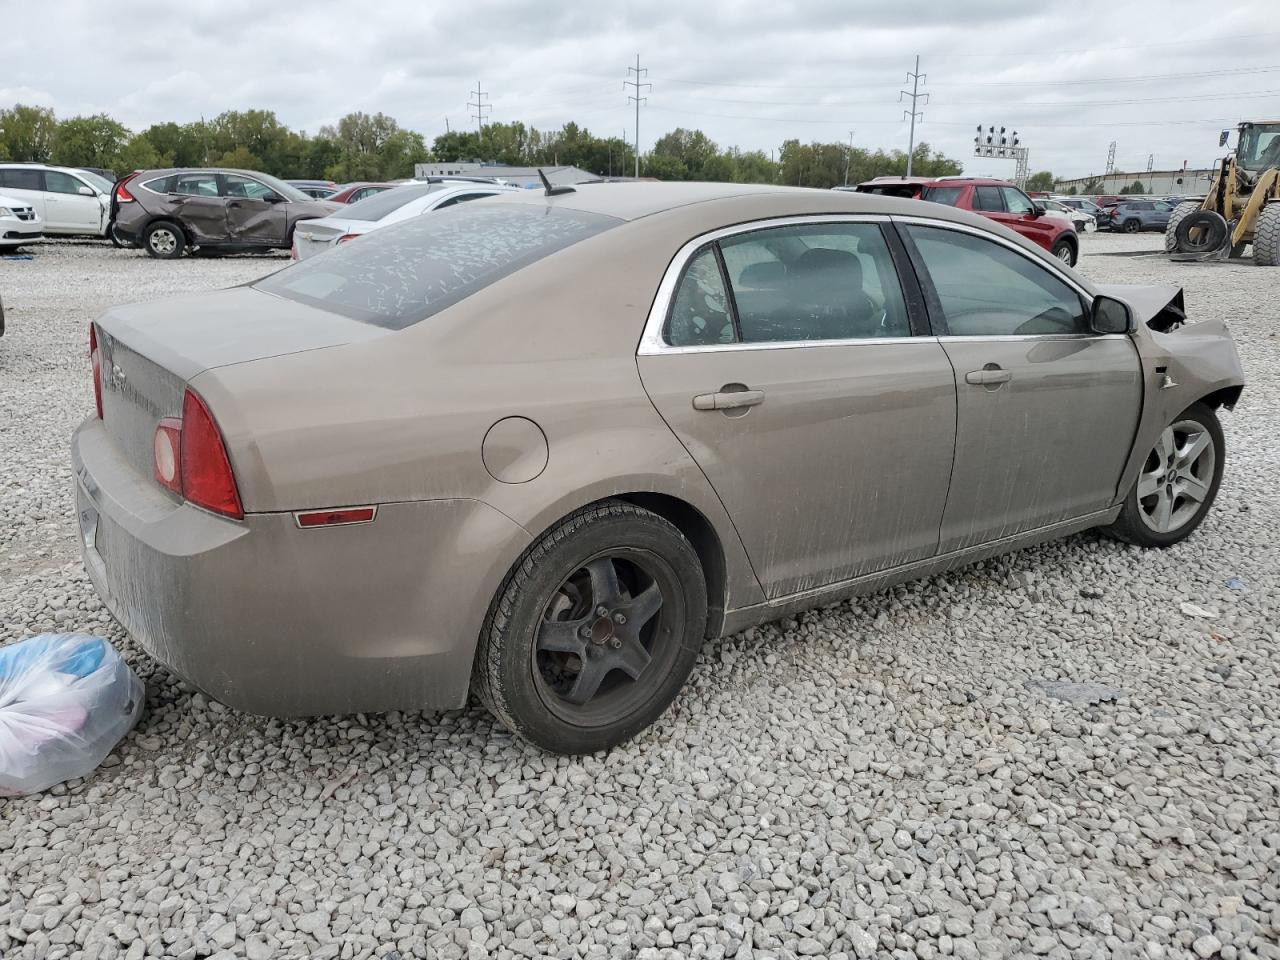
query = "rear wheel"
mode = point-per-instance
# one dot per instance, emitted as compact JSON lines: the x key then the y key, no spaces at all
{"x":1177,"y":483}
{"x":595,"y":631}
{"x":164,"y":240}
{"x":1180,"y":213}
{"x":1065,"y":251}
{"x":1131,"y":226}
{"x":1266,"y":236}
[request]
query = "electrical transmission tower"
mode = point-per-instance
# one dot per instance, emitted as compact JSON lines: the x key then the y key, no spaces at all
{"x":1151,"y":162}
{"x":479,"y":107}
{"x":1111,"y":157}
{"x":637,"y":84}
{"x":914,"y":113}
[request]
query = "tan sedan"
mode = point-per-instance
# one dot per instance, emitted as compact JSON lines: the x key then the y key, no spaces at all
{"x":544,"y":447}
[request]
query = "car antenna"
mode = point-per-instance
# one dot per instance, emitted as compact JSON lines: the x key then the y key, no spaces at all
{"x":553,"y":191}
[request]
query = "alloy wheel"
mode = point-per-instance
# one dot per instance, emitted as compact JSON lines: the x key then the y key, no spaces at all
{"x":1064,"y":254}
{"x":604,"y":642}
{"x":163,"y":241}
{"x":1177,"y":477}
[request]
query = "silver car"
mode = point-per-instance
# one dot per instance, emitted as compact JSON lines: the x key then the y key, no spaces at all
{"x":382,"y":210}
{"x":542,"y":448}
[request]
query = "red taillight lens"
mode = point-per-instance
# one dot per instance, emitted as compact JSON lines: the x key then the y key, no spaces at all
{"x":122,"y":192}
{"x":347,"y":236}
{"x":168,"y":454}
{"x":207,"y":480}
{"x":95,"y":360}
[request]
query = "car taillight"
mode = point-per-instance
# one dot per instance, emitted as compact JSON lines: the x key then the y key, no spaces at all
{"x":191,"y":460}
{"x":347,"y":236}
{"x":95,"y":360}
{"x":122,"y":193}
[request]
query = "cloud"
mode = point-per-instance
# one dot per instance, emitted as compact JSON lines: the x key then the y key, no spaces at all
{"x":745,"y":73}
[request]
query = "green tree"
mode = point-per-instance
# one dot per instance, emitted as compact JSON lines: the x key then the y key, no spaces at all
{"x":138,"y":154}
{"x":1040,"y":181}
{"x":240,"y":159}
{"x":1092,"y":188}
{"x":1133,"y":188}
{"x":89,"y":142}
{"x":182,"y":145}
{"x":693,"y":148}
{"x":663,"y":168}
{"x":456,"y":146}
{"x":28,"y":133}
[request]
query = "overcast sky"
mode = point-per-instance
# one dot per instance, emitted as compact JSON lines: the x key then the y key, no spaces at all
{"x":1070,"y":77}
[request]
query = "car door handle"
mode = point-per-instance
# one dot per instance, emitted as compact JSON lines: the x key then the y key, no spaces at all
{"x":728,"y":399}
{"x":992,"y":376}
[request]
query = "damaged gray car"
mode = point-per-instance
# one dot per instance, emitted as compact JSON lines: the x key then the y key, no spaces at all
{"x":541,"y":447}
{"x":171,"y":212}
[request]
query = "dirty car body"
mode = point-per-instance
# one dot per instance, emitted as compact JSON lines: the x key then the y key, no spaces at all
{"x":787,"y":396}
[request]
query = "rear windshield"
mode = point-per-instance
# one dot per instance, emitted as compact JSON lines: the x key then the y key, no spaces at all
{"x":402,"y":274}
{"x":948,"y":195}
{"x":380,"y":204}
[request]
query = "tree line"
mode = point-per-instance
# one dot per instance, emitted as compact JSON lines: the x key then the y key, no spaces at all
{"x":364,"y":146}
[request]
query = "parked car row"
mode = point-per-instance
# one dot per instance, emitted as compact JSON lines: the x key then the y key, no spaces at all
{"x":996,"y":200}
{"x":65,"y":201}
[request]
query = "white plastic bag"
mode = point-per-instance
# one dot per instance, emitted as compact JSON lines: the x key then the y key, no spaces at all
{"x":65,"y":700}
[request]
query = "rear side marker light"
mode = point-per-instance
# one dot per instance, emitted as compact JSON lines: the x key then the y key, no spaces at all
{"x":347,"y":236}
{"x":335,"y":518}
{"x":95,"y":360}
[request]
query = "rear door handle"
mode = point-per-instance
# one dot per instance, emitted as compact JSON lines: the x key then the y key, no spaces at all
{"x":728,"y":399}
{"x":992,"y":376}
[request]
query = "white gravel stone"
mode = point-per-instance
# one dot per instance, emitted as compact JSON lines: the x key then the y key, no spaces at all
{"x":887,"y":777}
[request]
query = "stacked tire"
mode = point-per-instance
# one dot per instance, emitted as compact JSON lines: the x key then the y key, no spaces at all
{"x":1180,"y":213}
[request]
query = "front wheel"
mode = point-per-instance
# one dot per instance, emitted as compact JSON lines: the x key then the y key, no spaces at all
{"x":594,"y":632}
{"x":164,"y":240}
{"x":1065,"y":251}
{"x":1177,"y":483}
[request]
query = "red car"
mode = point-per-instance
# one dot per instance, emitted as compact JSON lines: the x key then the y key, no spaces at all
{"x":997,"y":200}
{"x":351,"y":192}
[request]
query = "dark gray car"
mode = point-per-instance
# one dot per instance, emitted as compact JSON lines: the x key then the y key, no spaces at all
{"x":1135,"y":215}
{"x":167,"y":212}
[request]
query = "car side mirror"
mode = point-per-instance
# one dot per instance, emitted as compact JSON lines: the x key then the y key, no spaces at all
{"x":85,"y":191}
{"x":1037,"y":210}
{"x":273,"y":198}
{"x":1110,"y":316}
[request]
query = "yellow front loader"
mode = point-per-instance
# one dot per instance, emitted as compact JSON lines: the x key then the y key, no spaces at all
{"x":1242,"y":207}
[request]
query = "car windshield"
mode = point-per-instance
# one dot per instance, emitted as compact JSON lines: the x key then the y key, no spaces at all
{"x":101,"y":183}
{"x":380,"y":204}
{"x":398,"y":276}
{"x":948,"y":195}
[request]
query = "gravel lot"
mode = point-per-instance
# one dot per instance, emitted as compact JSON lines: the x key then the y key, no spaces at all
{"x":880,"y":778}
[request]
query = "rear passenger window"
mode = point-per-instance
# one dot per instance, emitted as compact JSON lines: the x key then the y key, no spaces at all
{"x":987,"y":198}
{"x":17,"y":179}
{"x":986,"y":289}
{"x":826,"y":281}
{"x":948,"y":195}
{"x":700,"y":311}
{"x":194,"y":184}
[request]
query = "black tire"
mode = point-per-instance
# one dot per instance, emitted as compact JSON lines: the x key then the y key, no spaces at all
{"x":530,"y":688}
{"x":114,"y":236}
{"x":1065,"y":251}
{"x":1134,"y":525}
{"x":1180,"y":213}
{"x":164,"y":240}
{"x":1211,"y":232}
{"x":1266,"y":236}
{"x":1131,"y":226}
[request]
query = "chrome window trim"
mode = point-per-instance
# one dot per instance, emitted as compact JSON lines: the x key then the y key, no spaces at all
{"x":651,"y":342}
{"x":147,"y":185}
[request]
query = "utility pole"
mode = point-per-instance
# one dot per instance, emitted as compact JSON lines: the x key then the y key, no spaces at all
{"x":480,"y":107}
{"x":847,"y":157}
{"x":914,"y":113}
{"x":446,"y":125}
{"x":637,"y":84}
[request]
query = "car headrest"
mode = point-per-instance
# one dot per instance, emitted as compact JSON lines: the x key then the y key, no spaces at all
{"x":826,"y":260}
{"x":770,"y":273}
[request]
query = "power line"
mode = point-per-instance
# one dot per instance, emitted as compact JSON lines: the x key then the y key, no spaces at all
{"x":637,"y":84}
{"x":1260,"y":94}
{"x":479,"y":107}
{"x":914,"y":113}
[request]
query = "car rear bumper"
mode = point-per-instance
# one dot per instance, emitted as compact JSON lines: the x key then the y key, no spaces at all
{"x":276,"y":620}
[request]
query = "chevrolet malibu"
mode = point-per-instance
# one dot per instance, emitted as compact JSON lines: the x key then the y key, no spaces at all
{"x":541,"y":447}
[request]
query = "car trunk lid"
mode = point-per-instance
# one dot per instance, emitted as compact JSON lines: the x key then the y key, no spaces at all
{"x":149,"y":352}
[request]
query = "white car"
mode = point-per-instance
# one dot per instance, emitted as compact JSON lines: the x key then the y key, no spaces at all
{"x":19,"y":223}
{"x":383,"y":209}
{"x":1081,"y":220}
{"x":70,"y":202}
